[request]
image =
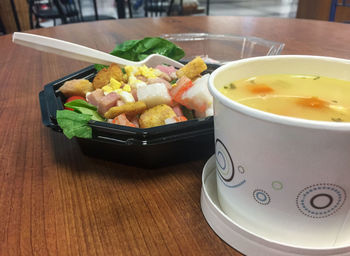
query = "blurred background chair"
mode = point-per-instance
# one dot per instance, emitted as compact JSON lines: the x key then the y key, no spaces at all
{"x":64,"y":10}
{"x":96,"y":14}
{"x":155,"y":8}
{"x":335,"y":4}
{"x":2,"y":28}
{"x":172,"y":7}
{"x":68,"y":9}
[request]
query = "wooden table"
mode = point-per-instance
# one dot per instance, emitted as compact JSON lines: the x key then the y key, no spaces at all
{"x":56,"y":201}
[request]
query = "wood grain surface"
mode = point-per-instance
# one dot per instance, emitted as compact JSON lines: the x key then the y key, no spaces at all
{"x":56,"y":201}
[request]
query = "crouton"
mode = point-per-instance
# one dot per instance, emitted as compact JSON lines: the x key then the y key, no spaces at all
{"x":156,"y":116}
{"x":192,"y":69}
{"x":76,"y":87}
{"x":104,"y":76}
{"x":127,"y":108}
{"x":154,"y":94}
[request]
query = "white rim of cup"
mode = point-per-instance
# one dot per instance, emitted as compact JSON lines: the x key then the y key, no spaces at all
{"x":262,"y":115}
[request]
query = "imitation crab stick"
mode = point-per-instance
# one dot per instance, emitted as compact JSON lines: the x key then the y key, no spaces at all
{"x":122,"y":120}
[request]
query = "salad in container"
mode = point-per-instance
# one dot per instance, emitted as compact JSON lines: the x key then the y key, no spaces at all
{"x":144,"y":116}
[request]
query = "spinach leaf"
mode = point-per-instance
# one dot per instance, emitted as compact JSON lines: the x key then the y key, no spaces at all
{"x":83,"y":107}
{"x":137,"y":50}
{"x":188,"y":113}
{"x":98,"y":67}
{"x":74,"y":124}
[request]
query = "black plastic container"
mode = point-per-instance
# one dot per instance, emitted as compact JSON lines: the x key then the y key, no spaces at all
{"x":151,"y":147}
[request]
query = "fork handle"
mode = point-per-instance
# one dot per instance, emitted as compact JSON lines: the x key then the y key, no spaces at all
{"x":67,"y":49}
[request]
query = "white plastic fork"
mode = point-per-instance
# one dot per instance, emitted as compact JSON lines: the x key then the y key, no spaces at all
{"x":83,"y":53}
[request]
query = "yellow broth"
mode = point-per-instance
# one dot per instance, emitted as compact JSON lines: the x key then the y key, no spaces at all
{"x":301,"y":96}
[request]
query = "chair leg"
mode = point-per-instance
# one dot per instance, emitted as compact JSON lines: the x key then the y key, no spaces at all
{"x":332,"y":11}
{"x":129,"y":7}
{"x":15,"y":15}
{"x":30,"y":15}
{"x":170,"y":7}
{"x":146,"y":8}
{"x":207,"y":11}
{"x":37,"y":23}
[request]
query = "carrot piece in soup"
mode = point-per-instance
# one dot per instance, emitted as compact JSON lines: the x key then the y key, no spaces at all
{"x":260,"y":88}
{"x":312,"y":102}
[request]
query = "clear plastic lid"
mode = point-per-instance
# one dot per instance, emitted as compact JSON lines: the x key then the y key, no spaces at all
{"x":219,"y":49}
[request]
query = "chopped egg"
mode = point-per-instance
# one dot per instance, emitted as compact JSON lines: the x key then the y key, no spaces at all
{"x":116,"y":91}
{"x":112,"y":86}
{"x":126,"y":97}
{"x":135,"y":83}
{"x":131,"y":70}
{"x":107,"y":89}
{"x":133,"y":80}
{"x":125,"y":77}
{"x":127,"y":88}
{"x":147,"y":72}
{"x":114,"y":83}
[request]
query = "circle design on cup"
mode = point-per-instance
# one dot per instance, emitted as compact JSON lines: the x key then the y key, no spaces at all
{"x":220,"y":159}
{"x":224,"y":161}
{"x":277,"y":185}
{"x":241,"y":169}
{"x":321,"y":200}
{"x":261,"y":196}
{"x":320,"y":204}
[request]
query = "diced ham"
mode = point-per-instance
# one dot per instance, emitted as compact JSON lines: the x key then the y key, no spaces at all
{"x":106,"y":102}
{"x":95,"y":97}
{"x":165,"y":76}
{"x":134,"y":94}
{"x":169,"y":70}
{"x":159,"y":80}
{"x":177,"y":110}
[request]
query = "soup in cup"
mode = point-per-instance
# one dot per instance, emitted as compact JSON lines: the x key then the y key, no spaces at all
{"x":284,"y":177}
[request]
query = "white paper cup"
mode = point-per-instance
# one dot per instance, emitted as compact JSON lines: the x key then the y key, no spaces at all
{"x":284,"y":178}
